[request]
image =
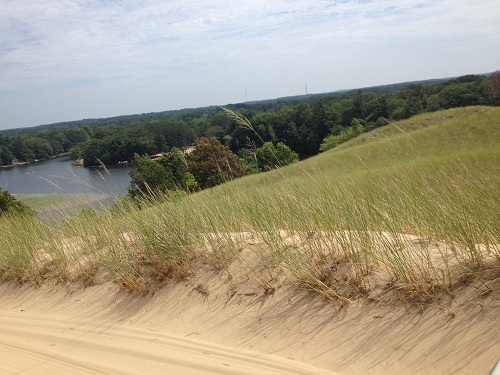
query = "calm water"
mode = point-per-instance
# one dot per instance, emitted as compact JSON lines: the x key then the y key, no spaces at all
{"x":58,"y":176}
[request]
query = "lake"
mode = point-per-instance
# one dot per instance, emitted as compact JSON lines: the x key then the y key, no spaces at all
{"x":58,"y":176}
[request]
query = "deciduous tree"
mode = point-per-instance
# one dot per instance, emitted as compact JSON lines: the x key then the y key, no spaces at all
{"x":270,"y":156}
{"x":212,"y":163}
{"x":493,"y":87}
{"x":149,"y":178}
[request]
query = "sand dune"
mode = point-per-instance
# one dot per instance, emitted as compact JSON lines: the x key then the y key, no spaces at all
{"x":51,"y":344}
{"x":202,"y":326}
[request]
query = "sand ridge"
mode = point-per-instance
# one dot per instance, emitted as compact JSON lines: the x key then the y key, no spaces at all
{"x":209,"y":324}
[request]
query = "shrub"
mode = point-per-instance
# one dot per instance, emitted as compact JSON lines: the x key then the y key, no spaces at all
{"x":351,"y":132}
{"x":270,"y":156}
{"x":9,"y":204}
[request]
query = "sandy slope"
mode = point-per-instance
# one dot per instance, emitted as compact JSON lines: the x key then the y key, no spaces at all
{"x":215,"y":324}
{"x":54,"y":344}
{"x":47,"y":332}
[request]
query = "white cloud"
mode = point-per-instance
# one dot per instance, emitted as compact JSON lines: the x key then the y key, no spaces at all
{"x":109,"y":46}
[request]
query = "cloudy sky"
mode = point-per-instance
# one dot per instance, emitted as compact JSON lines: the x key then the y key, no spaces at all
{"x":66,"y":60}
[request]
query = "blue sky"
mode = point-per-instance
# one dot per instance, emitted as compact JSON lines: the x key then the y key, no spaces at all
{"x":64,"y":60}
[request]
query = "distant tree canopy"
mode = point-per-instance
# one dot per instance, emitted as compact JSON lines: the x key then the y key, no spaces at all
{"x":30,"y":146}
{"x":302,"y":123}
{"x":111,"y":145}
{"x":6,"y":155}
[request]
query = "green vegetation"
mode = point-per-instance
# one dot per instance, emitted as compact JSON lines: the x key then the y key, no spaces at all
{"x":301,"y":123}
{"x":211,"y":163}
{"x":28,"y":144}
{"x":269,"y":156}
{"x":10,"y":205}
{"x":417,"y":201}
{"x":150,"y":178}
{"x":345,"y":135}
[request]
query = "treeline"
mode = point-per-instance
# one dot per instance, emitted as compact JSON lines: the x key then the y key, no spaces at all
{"x":40,"y":145}
{"x":108,"y":144}
{"x":113,"y":143}
{"x":301,"y":123}
{"x":304,"y":126}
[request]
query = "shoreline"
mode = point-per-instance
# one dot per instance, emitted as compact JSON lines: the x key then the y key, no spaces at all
{"x":34,"y":161}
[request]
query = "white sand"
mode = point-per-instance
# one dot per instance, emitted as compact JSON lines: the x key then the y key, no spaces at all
{"x":208,"y":325}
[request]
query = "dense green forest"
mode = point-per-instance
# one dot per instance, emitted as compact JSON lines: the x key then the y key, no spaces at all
{"x":305,"y":124}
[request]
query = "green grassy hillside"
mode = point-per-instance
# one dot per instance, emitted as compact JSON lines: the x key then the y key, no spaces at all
{"x":418,"y":200}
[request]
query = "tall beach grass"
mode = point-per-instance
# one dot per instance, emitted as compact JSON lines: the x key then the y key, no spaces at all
{"x":417,"y":202}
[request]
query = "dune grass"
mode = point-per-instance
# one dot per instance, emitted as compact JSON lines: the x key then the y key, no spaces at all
{"x":418,"y":200}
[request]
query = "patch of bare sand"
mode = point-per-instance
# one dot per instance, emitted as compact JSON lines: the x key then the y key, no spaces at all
{"x":214,"y":323}
{"x":248,"y":319}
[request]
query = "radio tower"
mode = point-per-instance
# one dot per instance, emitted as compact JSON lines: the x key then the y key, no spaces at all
{"x":306,"y":88}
